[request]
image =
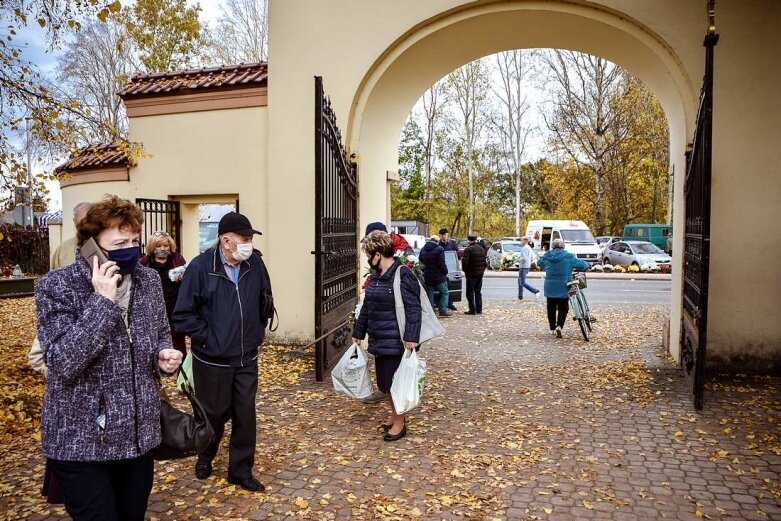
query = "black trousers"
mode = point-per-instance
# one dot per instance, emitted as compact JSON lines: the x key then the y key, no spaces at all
{"x":106,"y":490}
{"x":228,"y":393}
{"x":474,"y":294}
{"x":560,"y":306}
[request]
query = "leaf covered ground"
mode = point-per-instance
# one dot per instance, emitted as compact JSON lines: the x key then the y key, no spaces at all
{"x":514,"y":425}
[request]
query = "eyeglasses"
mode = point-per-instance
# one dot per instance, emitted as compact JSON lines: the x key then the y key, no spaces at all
{"x":160,"y":233}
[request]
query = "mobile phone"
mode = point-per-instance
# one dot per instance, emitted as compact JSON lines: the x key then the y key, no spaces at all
{"x":91,"y":249}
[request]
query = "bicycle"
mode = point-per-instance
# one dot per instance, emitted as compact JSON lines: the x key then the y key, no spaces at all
{"x":579,"y":305}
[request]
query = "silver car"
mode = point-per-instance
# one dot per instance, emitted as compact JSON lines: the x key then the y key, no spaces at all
{"x":638,"y":253}
{"x":499,"y":248}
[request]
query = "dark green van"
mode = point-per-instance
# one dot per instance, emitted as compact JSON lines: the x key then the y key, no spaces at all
{"x":655,"y":233}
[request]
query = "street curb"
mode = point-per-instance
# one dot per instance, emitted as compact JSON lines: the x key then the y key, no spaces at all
{"x":590,"y":275}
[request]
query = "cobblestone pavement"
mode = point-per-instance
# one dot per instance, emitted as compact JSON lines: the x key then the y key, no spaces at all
{"x":515,"y":424}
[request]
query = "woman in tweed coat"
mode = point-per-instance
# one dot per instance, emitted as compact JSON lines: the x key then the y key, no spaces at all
{"x":105,"y":339}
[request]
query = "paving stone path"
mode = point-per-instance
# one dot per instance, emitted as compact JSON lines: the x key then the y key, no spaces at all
{"x":515,"y":424}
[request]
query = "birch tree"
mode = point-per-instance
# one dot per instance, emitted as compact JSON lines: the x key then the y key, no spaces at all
{"x":94,"y":66}
{"x":241,"y":32}
{"x":510,"y":124}
{"x":434,"y":102}
{"x":469,"y":86}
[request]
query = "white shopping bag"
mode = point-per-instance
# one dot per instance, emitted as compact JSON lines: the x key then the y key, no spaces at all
{"x":407,"y":387}
{"x":351,"y":374}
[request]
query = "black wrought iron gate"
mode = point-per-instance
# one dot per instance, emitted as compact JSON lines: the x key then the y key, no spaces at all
{"x":336,"y":237}
{"x":160,"y":215}
{"x":697,"y":232}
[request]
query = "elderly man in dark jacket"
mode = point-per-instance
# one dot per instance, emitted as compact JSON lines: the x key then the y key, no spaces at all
{"x":473,"y":263}
{"x":432,"y":256}
{"x":220,"y":307}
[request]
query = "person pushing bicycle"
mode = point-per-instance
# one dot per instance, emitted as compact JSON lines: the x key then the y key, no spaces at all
{"x":558,"y":264}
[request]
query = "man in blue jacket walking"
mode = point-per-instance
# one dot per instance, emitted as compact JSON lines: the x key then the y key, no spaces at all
{"x":220,"y":307}
{"x":558,"y":264}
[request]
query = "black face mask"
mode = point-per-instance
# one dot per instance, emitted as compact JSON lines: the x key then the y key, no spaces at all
{"x":375,"y":267}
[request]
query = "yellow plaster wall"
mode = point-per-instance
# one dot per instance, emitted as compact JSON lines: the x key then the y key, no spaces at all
{"x":205,"y":157}
{"x":377,"y":58}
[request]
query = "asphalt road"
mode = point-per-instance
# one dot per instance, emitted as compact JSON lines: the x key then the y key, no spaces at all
{"x":604,"y":291}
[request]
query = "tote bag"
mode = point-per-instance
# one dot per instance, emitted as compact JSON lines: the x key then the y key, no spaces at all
{"x":429,"y":323}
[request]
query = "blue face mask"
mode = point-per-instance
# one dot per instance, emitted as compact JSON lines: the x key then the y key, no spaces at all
{"x":126,"y":259}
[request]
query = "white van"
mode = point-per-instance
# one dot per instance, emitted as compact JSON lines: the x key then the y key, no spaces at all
{"x":578,"y":239}
{"x":415,"y":241}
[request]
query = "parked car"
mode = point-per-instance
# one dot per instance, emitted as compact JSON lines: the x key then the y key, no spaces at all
{"x":638,"y":253}
{"x":606,"y":240}
{"x":655,"y":233}
{"x":454,"y":277}
{"x":497,"y":251}
{"x":603,"y":242}
{"x":460,"y":247}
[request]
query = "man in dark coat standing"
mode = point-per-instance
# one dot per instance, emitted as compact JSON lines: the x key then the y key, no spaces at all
{"x":473,"y":263}
{"x":432,"y":256}
{"x":221,"y":308}
{"x":447,"y":244}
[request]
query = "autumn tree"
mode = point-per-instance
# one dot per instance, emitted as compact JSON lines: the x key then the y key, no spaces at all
{"x":407,"y":196}
{"x":584,"y":116}
{"x":26,"y":102}
{"x":97,"y":62}
{"x":241,"y":33}
{"x":167,"y":34}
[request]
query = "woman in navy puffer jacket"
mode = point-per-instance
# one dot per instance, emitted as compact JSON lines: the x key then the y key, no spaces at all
{"x":378,"y":319}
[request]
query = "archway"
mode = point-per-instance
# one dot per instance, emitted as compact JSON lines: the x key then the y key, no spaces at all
{"x":396,"y":81}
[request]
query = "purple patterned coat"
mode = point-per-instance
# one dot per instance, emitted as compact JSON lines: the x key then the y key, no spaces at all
{"x":93,"y":369}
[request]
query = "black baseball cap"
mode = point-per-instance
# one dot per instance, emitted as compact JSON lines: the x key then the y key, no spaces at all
{"x":236,"y":223}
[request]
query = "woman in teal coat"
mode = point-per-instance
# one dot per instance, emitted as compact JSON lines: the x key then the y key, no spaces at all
{"x":558,"y":264}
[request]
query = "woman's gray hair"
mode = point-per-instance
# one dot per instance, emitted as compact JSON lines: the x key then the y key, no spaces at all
{"x":557,"y":243}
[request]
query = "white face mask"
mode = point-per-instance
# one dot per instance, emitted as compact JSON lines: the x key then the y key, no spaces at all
{"x":243,"y":251}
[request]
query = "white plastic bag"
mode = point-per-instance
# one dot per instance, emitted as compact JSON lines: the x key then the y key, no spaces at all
{"x":351,"y":374}
{"x":430,"y":327}
{"x":407,"y":387}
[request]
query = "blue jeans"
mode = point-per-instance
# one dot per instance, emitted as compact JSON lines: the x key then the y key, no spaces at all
{"x":444,"y":295}
{"x":522,"y":273}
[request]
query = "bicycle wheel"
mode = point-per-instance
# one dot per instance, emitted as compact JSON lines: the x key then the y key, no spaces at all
{"x":583,"y":328}
{"x":586,"y":312}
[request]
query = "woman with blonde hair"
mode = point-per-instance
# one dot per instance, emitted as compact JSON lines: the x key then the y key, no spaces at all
{"x":378,"y":319}
{"x":161,"y":256}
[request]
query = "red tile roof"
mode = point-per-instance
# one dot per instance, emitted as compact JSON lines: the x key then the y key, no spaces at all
{"x":116,"y":153}
{"x":185,"y":82}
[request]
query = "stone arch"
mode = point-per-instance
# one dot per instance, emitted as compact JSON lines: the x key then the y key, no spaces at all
{"x":395,"y":82}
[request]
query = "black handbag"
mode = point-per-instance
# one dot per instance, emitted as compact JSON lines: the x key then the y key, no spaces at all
{"x":184,"y":434}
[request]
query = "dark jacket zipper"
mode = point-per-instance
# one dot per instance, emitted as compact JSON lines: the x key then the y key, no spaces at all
{"x":241,"y":308}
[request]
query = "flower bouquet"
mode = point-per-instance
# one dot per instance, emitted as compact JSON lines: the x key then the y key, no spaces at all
{"x":509,"y":259}
{"x":411,"y":261}
{"x":607,"y":268}
{"x":598,"y":268}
